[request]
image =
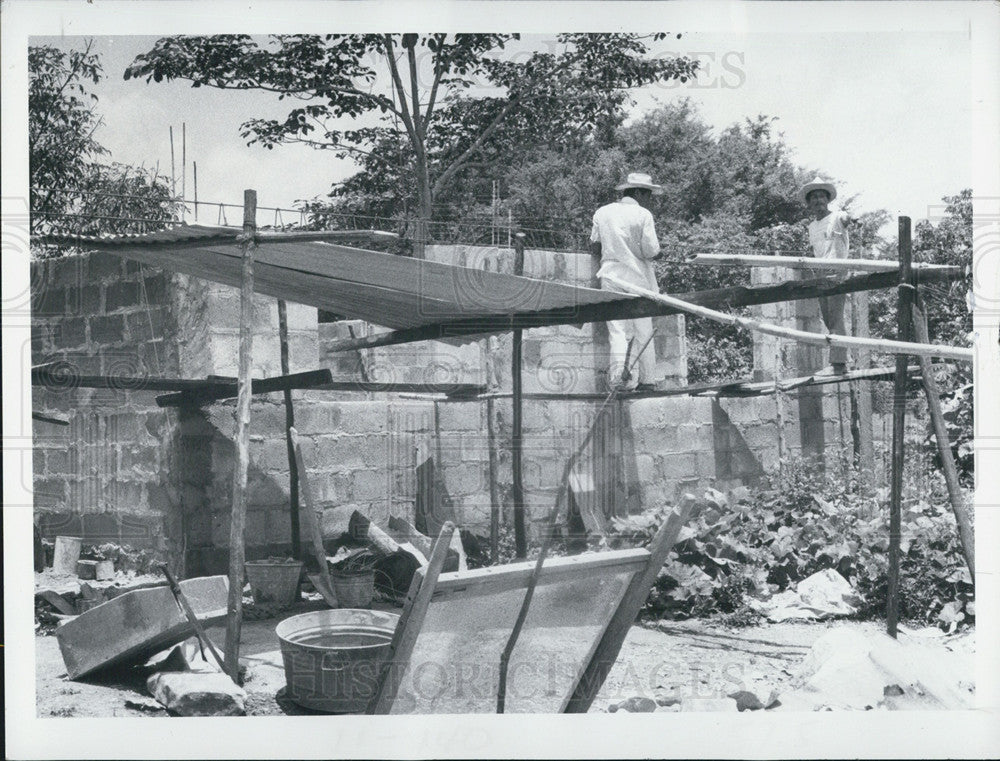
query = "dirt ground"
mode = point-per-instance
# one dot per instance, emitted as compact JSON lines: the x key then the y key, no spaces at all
{"x":668,"y":662}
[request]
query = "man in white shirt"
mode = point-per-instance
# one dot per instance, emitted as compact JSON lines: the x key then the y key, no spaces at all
{"x":829,"y":239}
{"x":624,"y":237}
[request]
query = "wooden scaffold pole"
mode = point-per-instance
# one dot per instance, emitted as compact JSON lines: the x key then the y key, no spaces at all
{"x":958,"y":504}
{"x":234,"y":618}
{"x":517,"y":487}
{"x":904,"y":316}
{"x":293,"y":468}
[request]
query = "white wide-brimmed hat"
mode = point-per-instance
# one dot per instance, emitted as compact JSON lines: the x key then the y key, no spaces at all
{"x":641,"y":180}
{"x":817,"y":184}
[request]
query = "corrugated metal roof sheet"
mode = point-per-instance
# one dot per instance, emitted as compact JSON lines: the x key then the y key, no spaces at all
{"x":384,"y":289}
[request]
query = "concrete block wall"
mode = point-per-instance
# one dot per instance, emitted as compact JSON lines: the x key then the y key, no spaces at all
{"x":166,"y":475}
{"x":105,"y":476}
{"x":218,"y":324}
{"x":358,"y":455}
{"x":433,"y":362}
{"x":813,"y":415}
{"x":646,"y":453}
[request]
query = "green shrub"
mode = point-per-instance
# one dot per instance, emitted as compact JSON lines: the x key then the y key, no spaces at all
{"x":757,"y":544}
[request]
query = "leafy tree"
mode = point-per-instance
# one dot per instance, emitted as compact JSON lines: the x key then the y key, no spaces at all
{"x":70,"y":191}
{"x":435,"y":132}
{"x":61,"y":122}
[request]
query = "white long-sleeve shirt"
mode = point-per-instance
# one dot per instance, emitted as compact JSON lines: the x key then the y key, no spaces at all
{"x":628,"y":241}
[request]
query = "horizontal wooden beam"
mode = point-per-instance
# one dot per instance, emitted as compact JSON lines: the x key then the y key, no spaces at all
{"x":62,"y":376}
{"x":763,"y":388}
{"x":812,"y":263}
{"x":453,"y":391}
{"x":334,"y":235}
{"x":215,"y":389}
{"x":729,"y":388}
{"x":632,"y":308}
{"x":49,"y":419}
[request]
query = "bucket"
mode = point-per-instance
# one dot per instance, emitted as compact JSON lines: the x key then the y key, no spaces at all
{"x":354,"y":589}
{"x":332,"y":657}
{"x":273,"y":583}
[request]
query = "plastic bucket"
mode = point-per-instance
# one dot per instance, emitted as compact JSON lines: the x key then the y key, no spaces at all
{"x":354,"y":589}
{"x":332,"y":657}
{"x":273,"y":583}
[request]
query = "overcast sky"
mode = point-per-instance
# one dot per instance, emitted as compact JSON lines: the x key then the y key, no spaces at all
{"x":886,"y":114}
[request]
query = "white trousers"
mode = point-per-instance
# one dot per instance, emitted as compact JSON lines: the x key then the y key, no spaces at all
{"x":643,"y":365}
{"x":620,"y":331}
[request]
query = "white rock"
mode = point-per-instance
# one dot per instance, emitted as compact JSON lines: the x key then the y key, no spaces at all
{"x":197,"y":694}
{"x":691,"y":705}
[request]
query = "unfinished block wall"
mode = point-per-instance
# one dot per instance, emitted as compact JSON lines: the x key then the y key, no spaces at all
{"x":106,"y":475}
{"x":818,"y":418}
{"x":358,"y":455}
{"x":125,"y":470}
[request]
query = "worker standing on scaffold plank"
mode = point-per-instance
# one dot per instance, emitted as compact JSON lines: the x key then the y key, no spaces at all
{"x":624,"y":237}
{"x":829,"y":238}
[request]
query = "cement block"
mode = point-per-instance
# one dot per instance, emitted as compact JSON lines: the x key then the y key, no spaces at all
{"x":120,"y":296}
{"x":460,"y":416}
{"x":335,"y":520}
{"x":363,"y":417}
{"x":102,"y":266}
{"x":188,"y":693}
{"x":679,"y":466}
{"x":105,"y":569}
{"x":133,"y":626}
{"x":659,"y":440}
{"x":145,"y":326}
{"x":646,"y":469}
{"x":107,"y":329}
{"x":155,"y":287}
{"x":69,"y":333}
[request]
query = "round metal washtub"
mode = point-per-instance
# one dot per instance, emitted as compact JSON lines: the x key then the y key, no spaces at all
{"x":332,"y":657}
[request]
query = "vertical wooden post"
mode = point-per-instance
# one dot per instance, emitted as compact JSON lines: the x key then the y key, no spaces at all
{"x":517,"y":488}
{"x":958,"y":506}
{"x":904,"y":313}
{"x":173,"y":176}
{"x":194,"y":167}
{"x":779,"y":408}
{"x":293,"y":467}
{"x":860,"y":391}
{"x":491,"y":443}
{"x":234,"y":619}
{"x":184,"y":165}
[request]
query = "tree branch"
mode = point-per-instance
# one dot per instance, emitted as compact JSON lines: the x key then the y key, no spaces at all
{"x":404,"y":112}
{"x":411,"y":58}
{"x":458,"y":163}
{"x":438,"y":76}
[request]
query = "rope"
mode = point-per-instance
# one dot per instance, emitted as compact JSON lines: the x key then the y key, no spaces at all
{"x":551,"y":525}
{"x":883,"y":345}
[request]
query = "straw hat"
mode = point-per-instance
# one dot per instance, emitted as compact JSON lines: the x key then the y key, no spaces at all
{"x":641,"y":180}
{"x":817,"y":184}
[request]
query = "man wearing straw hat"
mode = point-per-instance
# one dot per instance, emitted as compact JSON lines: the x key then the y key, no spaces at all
{"x":624,"y":237}
{"x":829,"y":238}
